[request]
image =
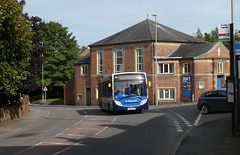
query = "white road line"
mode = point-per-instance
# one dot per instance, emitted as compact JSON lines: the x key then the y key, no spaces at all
{"x":106,"y":127}
{"x":28,"y":148}
{"x":178,"y":126}
{"x":79,"y":143}
{"x":188,"y":124}
{"x":198,"y":119}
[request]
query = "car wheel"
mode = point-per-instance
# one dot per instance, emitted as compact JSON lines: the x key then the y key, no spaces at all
{"x":205,"y":109}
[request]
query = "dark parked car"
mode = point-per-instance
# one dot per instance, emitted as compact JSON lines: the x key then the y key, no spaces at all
{"x":213,"y":100}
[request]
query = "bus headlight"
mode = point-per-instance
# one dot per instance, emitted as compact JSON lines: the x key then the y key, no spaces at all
{"x":144,"y":102}
{"x":118,"y":103}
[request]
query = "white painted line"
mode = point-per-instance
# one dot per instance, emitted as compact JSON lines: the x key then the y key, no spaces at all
{"x":79,"y":143}
{"x":61,"y":132}
{"x":101,"y":130}
{"x":106,"y":126}
{"x":56,"y":143}
{"x":178,"y":126}
{"x":188,"y":124}
{"x":198,"y":119}
{"x":28,"y":148}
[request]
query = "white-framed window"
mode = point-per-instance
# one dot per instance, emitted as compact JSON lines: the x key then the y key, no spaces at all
{"x":100,"y":61}
{"x":220,"y":67}
{"x":165,"y":68}
{"x":84,"y":70}
{"x":118,"y":59}
{"x":139,"y":59}
{"x":166,"y":94}
{"x":201,"y":85}
{"x":186,"y":68}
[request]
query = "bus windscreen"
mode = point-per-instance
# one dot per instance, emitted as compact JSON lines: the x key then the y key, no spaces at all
{"x":129,"y":88}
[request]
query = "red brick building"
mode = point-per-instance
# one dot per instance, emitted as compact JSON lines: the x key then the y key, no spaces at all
{"x":186,"y":66}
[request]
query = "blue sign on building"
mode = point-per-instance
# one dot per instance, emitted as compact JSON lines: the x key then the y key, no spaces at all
{"x":237,"y":49}
{"x":186,"y":86}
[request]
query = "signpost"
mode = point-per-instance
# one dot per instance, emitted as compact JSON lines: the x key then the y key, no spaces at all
{"x":224,"y":32}
{"x":237,"y":53}
{"x":45,"y":94}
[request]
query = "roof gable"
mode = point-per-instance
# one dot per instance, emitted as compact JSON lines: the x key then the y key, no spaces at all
{"x":145,"y":31}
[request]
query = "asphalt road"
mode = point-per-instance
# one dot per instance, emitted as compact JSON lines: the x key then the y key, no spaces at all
{"x":90,"y":131}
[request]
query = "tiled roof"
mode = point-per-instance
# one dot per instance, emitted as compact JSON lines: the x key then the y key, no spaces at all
{"x":84,"y":60}
{"x":145,"y":31}
{"x":192,"y":50}
{"x":85,"y":53}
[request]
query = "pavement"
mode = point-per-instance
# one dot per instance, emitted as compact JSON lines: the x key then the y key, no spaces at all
{"x":211,"y":138}
{"x":208,"y":138}
{"x":34,"y":116}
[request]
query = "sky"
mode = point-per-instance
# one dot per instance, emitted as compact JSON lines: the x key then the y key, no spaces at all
{"x":94,"y":20}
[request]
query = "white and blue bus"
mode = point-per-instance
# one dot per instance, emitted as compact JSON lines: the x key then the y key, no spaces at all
{"x":123,"y":91}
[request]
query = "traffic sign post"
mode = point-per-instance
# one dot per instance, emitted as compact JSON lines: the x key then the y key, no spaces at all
{"x":224,"y":32}
{"x":45,"y":95}
{"x":237,"y":53}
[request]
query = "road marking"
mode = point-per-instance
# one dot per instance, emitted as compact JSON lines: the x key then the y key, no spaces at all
{"x":106,"y":126}
{"x":178,"y":126}
{"x":87,"y":127}
{"x":188,"y":124}
{"x":76,"y":144}
{"x":198,"y":119}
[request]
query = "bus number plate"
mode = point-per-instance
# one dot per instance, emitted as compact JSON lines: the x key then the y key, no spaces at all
{"x":131,"y":108}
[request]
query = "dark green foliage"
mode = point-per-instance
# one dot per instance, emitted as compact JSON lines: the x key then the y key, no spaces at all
{"x":15,"y":46}
{"x":62,"y":52}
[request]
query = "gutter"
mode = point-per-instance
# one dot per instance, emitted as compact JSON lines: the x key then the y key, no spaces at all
{"x":166,"y":58}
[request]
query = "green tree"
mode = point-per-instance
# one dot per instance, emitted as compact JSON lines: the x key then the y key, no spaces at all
{"x":62,"y":52}
{"x":15,"y":45}
{"x":36,"y":59}
{"x":82,"y":49}
{"x":237,"y":36}
{"x":199,"y":34}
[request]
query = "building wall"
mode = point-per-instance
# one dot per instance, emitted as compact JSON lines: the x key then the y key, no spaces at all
{"x":203,"y":69}
{"x":69,"y":92}
{"x":164,"y":49}
{"x":82,"y":82}
{"x":206,"y":69}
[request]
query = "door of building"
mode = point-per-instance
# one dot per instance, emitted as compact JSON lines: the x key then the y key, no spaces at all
{"x":88,"y":96}
{"x":219,"y":82}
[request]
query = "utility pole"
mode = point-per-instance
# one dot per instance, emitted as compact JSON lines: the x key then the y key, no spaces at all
{"x":42,"y":77}
{"x":234,"y":71}
{"x":156,"y":58}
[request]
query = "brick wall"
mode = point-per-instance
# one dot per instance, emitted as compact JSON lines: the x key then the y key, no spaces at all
{"x":81,"y":83}
{"x":203,"y":69}
{"x":69,"y":92}
{"x":13,"y":111}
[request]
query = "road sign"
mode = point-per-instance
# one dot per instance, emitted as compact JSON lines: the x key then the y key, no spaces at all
{"x":45,"y":89}
{"x":237,"y":49}
{"x":224,"y":32}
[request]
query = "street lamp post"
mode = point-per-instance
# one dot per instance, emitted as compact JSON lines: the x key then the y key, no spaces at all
{"x":234,"y":71}
{"x":156,"y":94}
{"x":42,"y":76}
